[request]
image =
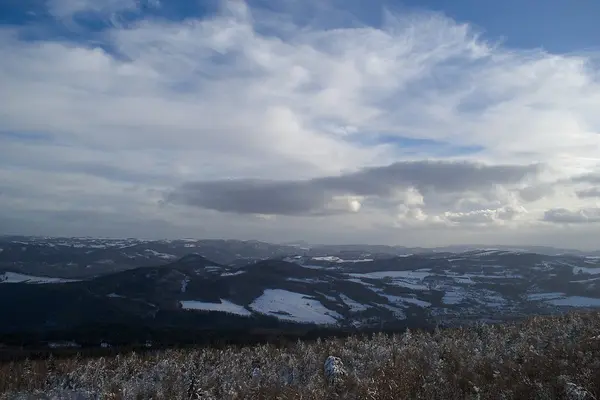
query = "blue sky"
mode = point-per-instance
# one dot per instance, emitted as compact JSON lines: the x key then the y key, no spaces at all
{"x":555,"y":25}
{"x":415,"y":122}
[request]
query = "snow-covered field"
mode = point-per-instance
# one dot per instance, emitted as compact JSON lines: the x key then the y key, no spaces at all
{"x":576,"y":301}
{"x":417,"y":275}
{"x":354,"y":305}
{"x":223,"y":306}
{"x":454,"y":296}
{"x":585,"y":270}
{"x":407,"y":279}
{"x":293,"y":306}
{"x":561,"y":300}
{"x":14,"y":277}
{"x":544,"y":296}
{"x":164,"y":256}
{"x":340,"y":260}
{"x":233,"y":273}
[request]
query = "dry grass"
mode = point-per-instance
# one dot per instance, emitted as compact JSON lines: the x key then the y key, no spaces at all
{"x":542,"y":358}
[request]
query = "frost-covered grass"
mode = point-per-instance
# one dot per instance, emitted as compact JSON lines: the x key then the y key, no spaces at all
{"x":543,"y":358}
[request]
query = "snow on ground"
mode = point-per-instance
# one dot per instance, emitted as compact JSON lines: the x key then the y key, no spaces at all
{"x":328,"y":297}
{"x":355,"y":306}
{"x":409,"y":300}
{"x":585,"y":270}
{"x":586,"y":280}
{"x":161,"y":255}
{"x":490,"y":298}
{"x":14,"y":277}
{"x":486,"y":252}
{"x":57,"y":345}
{"x":543,"y":266}
{"x":233,"y":273}
{"x":576,"y":301}
{"x":467,"y":279}
{"x":464,"y":280}
{"x":420,"y":275}
{"x":114,"y":295}
{"x":407,"y":279}
{"x":184,"y":284}
{"x":223,"y":306}
{"x":408,"y":285}
{"x":293,"y":306}
{"x":306,"y":280}
{"x":356,"y":280}
{"x":398,"y":313}
{"x":454,"y":296}
{"x":491,"y":275}
{"x":327,"y":258}
{"x":340,"y":260}
{"x":401,"y":301}
{"x":544,"y":296}
{"x":312,"y":266}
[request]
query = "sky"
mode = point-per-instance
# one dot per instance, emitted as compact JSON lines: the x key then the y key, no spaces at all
{"x":412,"y":123}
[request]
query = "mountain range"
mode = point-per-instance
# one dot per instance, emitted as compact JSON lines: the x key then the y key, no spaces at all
{"x":56,"y":286}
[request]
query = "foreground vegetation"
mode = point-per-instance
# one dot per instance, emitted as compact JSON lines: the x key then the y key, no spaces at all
{"x":555,"y":357}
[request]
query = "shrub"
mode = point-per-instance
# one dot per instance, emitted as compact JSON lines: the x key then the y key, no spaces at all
{"x":542,"y":358}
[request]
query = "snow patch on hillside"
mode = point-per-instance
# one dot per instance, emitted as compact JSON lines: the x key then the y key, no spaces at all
{"x":232,"y":273}
{"x":312,"y":266}
{"x":417,"y":275}
{"x":164,"y":256}
{"x":401,"y":300}
{"x":576,"y":301}
{"x":454,"y":296}
{"x":293,"y":306}
{"x":544,"y":296}
{"x":223,"y":306}
{"x":340,"y":260}
{"x":184,"y":284}
{"x":356,"y":280}
{"x":407,"y":279}
{"x":14,"y":277}
{"x":585,"y":270}
{"x":354,"y":306}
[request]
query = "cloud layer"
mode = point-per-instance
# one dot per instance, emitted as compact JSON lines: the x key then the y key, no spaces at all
{"x":252,"y":122}
{"x":322,"y":195}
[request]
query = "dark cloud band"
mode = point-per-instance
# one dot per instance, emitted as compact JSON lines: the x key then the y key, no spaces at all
{"x":313,"y":196}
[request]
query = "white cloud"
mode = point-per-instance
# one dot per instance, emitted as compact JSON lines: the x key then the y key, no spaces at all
{"x":216,"y":99}
{"x":567,"y":216}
